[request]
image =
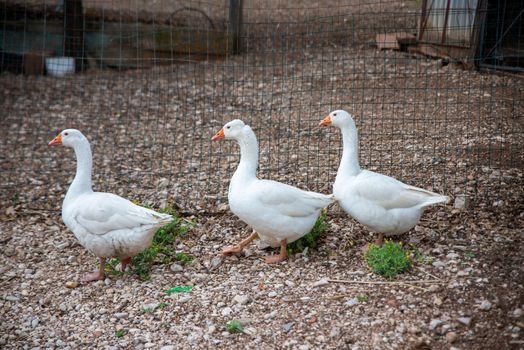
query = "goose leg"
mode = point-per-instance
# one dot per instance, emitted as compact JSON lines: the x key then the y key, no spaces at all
{"x":273,"y":259}
{"x":125,"y":263}
{"x":98,"y":275}
{"x":380,"y":239}
{"x":240,"y":246}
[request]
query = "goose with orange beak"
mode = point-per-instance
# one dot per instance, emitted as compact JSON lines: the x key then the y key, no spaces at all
{"x":379,"y":202}
{"x":278,"y":213}
{"x":107,"y":225}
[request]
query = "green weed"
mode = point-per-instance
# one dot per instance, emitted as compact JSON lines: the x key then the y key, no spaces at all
{"x":120,"y":333}
{"x":388,"y":260}
{"x":234,"y":326}
{"x":162,"y":250}
{"x":310,"y":240}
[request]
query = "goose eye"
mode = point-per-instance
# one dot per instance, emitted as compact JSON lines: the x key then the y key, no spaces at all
{"x":66,"y":133}
{"x":334,"y":115}
{"x":228,"y":127}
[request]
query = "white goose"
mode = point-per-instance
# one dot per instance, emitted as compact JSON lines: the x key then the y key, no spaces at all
{"x":379,"y":202}
{"x":105,"y":224}
{"x":278,"y":213}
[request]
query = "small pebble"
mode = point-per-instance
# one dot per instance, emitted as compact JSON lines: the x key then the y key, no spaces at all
{"x":241,"y":299}
{"x":352,"y":302}
{"x":226,"y":311}
{"x":272,"y":294}
{"x":334,"y":333}
{"x":464,"y":320}
{"x":451,"y":337}
{"x":287,"y":326}
{"x":434,"y":324}
{"x":438,"y":263}
{"x":452,"y":256}
{"x":71,"y":284}
{"x":216,"y":262}
{"x":485,"y":305}
{"x":176,"y":268}
{"x":121,"y":315}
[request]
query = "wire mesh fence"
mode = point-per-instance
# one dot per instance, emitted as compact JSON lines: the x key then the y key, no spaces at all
{"x":152,"y":82}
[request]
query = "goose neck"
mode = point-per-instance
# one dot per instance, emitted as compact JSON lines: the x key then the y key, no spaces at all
{"x":248,"y":154}
{"x":84,"y":164}
{"x":349,"y":165}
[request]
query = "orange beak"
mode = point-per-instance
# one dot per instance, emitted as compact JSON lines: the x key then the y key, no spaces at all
{"x":56,"y":141}
{"x":219,"y":135}
{"x":325,"y":121}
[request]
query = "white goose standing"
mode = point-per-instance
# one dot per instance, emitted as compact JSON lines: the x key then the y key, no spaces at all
{"x":379,"y":202}
{"x":105,"y":224}
{"x":278,"y":213}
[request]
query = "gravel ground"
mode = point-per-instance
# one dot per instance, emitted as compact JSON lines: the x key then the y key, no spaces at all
{"x":429,"y":124}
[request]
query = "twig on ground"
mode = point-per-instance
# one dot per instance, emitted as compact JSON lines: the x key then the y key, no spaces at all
{"x":427,"y":273}
{"x":390,"y":282}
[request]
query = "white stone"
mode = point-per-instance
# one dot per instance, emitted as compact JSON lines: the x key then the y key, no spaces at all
{"x":176,"y":268}
{"x":461,"y":202}
{"x":464,"y":320}
{"x":168,"y":347}
{"x":241,"y":299}
{"x":434,"y":324}
{"x":352,"y":302}
{"x":226,"y":311}
{"x":485,"y":305}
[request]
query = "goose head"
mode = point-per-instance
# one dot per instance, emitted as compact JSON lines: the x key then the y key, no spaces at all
{"x":68,"y":138}
{"x":232,"y":130}
{"x":340,"y":119}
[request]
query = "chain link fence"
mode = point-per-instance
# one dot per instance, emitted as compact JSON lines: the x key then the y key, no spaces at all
{"x":151,"y":82}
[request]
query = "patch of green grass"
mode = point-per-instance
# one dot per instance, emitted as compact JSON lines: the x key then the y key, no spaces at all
{"x":310,"y":240}
{"x":362,"y":298}
{"x":234,"y":326}
{"x":120,"y":333}
{"x":162,"y":305}
{"x":162,"y":250}
{"x":388,"y":260}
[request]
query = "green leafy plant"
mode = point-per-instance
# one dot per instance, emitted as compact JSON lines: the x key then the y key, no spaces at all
{"x":120,"y":333}
{"x":388,"y":260}
{"x":310,"y":240}
{"x":162,"y":305}
{"x":162,"y":250}
{"x":234,"y":326}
